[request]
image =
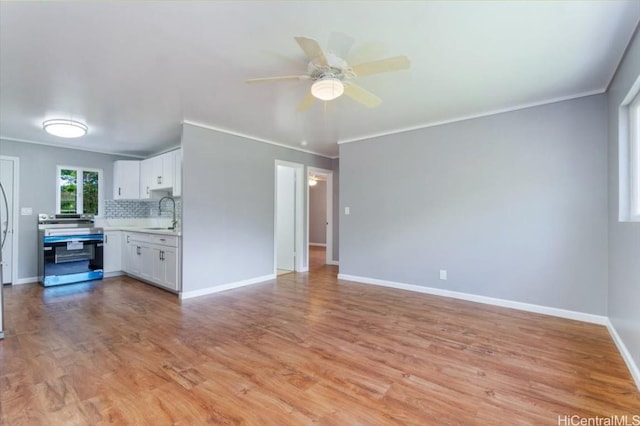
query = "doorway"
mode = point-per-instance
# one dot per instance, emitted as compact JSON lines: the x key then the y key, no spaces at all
{"x":9,"y":217}
{"x":320,"y":213}
{"x":288,"y":247}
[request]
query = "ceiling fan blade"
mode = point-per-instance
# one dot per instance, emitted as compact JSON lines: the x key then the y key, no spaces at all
{"x":280,"y":78}
{"x":306,"y":103}
{"x":312,"y":50}
{"x":340,"y":44}
{"x":367,"y":51}
{"x":361,"y":95}
{"x":383,"y":65}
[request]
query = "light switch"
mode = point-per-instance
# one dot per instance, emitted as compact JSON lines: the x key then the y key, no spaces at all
{"x":347,"y":210}
{"x":26,"y":211}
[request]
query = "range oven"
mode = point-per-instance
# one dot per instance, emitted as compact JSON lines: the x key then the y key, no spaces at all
{"x":70,"y":249}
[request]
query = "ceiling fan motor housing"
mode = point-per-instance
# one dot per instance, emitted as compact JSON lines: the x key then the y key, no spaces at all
{"x":336,"y":68}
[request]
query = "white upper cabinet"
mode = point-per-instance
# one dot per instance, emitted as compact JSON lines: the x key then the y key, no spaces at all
{"x":162,"y":167}
{"x":126,"y":180}
{"x":145,"y":178}
{"x":157,"y":173}
{"x":160,"y":173}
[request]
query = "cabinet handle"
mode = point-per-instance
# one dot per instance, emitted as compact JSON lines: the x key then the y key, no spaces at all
{"x":119,"y":191}
{"x":138,"y":250}
{"x":128,"y":239}
{"x":147,"y":190}
{"x":106,"y":239}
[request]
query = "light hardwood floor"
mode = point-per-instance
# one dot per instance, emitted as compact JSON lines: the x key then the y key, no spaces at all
{"x":305,"y":348}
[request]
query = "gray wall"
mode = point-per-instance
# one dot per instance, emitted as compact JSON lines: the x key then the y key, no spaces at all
{"x":37,"y":188}
{"x":624,"y":238}
{"x":318,"y":213}
{"x":228,"y":206}
{"x":513,"y":205}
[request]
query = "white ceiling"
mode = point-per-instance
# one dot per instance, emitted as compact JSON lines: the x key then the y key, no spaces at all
{"x":134,"y":71}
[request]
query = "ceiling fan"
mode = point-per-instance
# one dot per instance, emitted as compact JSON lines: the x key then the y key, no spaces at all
{"x":332,"y":76}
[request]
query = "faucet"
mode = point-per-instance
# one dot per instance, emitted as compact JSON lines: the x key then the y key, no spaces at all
{"x":174,"y":222}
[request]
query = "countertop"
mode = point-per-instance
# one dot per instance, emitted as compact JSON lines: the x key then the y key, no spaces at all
{"x":151,"y":230}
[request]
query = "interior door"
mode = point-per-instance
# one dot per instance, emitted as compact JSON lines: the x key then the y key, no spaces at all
{"x":6,"y":219}
{"x":285,"y":218}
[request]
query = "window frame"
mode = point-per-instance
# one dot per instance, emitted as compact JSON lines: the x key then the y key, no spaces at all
{"x":634,"y":157}
{"x":80,"y":193}
{"x":629,"y":155}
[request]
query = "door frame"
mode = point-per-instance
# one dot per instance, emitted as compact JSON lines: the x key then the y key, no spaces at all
{"x":15,"y":217}
{"x":329,"y":207}
{"x":299,"y":248}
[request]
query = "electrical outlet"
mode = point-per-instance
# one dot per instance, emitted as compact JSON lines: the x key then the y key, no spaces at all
{"x":26,"y":211}
{"x":347,"y":210}
{"x":443,"y":274}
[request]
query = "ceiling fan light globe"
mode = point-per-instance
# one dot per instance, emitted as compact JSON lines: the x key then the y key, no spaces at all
{"x":327,"y":89}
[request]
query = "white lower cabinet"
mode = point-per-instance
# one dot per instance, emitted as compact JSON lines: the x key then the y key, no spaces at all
{"x":165,"y":271}
{"x":112,"y":251}
{"x":153,"y":258}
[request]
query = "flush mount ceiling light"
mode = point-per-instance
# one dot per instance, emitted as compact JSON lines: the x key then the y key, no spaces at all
{"x":65,"y":128}
{"x":327,"y":89}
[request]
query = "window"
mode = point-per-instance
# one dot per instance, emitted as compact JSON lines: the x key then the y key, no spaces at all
{"x":79,"y":190}
{"x":634,"y":151}
{"x":629,"y":155}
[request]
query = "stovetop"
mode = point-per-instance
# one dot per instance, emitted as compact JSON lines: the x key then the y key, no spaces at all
{"x":69,"y":220}
{"x":50,"y":221}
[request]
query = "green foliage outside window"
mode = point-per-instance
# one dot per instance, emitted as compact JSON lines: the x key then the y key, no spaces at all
{"x":68,"y":191}
{"x":90,"y":192}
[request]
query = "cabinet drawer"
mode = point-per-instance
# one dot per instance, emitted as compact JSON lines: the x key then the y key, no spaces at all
{"x":138,"y":237}
{"x":158,"y":239}
{"x":165,"y":240}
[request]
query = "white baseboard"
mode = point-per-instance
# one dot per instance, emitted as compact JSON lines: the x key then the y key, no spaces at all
{"x":304,"y":269}
{"x":539,"y":309}
{"x":318,"y":244}
{"x":113,"y":274}
{"x":626,"y":355}
{"x":333,"y":262}
{"x":29,"y":280}
{"x":223,"y":287}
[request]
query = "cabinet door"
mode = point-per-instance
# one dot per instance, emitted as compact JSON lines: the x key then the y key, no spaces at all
{"x":158,"y":265}
{"x":146,"y":261}
{"x":156,"y":172}
{"x":112,"y":251}
{"x":138,"y":261}
{"x":167,"y":161}
{"x":131,"y":259}
{"x":146,"y":172}
{"x":126,"y":180}
{"x":165,"y":267}
{"x":171,"y":268}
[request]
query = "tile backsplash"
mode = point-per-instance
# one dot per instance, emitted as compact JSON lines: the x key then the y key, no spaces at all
{"x":130,"y":209}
